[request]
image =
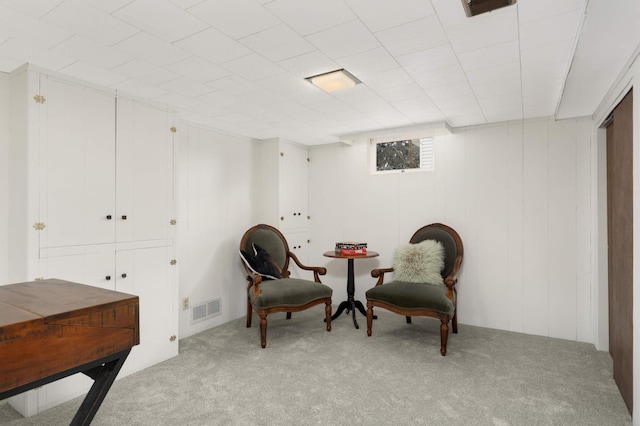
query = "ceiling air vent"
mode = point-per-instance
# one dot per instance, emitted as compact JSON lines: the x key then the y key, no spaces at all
{"x":476,"y":7}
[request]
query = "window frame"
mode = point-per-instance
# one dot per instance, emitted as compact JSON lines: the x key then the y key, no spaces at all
{"x":374,"y":157}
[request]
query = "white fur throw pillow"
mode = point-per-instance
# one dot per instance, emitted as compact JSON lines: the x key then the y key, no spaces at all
{"x":419,"y":263}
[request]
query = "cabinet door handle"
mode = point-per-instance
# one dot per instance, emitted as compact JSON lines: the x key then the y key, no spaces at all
{"x":124,"y":217}
{"x":124,"y":275}
{"x":108,"y":217}
{"x":108,"y":278}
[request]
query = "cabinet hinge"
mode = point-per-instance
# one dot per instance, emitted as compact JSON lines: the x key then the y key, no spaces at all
{"x":39,"y":99}
{"x":172,"y":222}
{"x":173,"y":129}
{"x":173,"y":262}
{"x":172,"y":338}
{"x":39,"y":226}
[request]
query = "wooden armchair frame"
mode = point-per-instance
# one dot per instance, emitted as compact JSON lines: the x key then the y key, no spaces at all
{"x":453,"y":261}
{"x":279,"y":249}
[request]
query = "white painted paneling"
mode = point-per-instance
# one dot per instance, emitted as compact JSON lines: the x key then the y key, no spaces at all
{"x":562,"y":230}
{"x":584,"y":223}
{"x":515,"y":216}
{"x":535,"y":222}
{"x":518,"y":193}
{"x":214,"y":189}
{"x":4,"y":179}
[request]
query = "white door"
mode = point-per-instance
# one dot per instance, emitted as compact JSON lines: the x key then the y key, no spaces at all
{"x":144,"y":172}
{"x":77,"y":135}
{"x":148,"y":274}
{"x":294,"y":186}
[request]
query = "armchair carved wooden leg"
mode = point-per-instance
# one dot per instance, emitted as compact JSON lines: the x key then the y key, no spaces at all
{"x":263,"y":329}
{"x":249,"y":313}
{"x":327,"y":314}
{"x":454,"y":322}
{"x":288,"y":315}
{"x":369,"y":318}
{"x":444,"y":335}
{"x":408,"y":320}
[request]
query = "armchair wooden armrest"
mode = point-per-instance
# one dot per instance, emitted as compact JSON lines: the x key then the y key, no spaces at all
{"x":317,"y":270}
{"x":254,"y":280}
{"x":379,"y":273}
{"x":451,"y":280}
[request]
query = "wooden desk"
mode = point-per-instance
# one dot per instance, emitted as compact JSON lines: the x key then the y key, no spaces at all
{"x":350,"y":304}
{"x":52,"y":329}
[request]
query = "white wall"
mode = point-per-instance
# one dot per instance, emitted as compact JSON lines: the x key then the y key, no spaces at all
{"x":4,"y":178}
{"x":518,"y":193}
{"x":215,"y":209}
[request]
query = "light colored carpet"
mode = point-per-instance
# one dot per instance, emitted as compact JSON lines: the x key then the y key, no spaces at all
{"x":397,"y":376}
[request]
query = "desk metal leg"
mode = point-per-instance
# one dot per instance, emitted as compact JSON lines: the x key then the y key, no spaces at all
{"x":104,"y":377}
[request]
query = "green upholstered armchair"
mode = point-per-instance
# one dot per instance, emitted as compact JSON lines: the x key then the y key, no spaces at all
{"x":420,"y":299}
{"x":274,"y":290}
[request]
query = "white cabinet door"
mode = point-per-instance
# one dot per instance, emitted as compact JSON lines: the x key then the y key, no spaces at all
{"x":84,"y":265}
{"x":77,"y":144}
{"x":148,"y":274}
{"x":294,"y":186}
{"x":144,"y":171}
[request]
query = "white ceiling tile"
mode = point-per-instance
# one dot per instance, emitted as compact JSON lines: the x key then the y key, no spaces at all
{"x":369,"y":62}
{"x":451,"y":13}
{"x":429,"y":59}
{"x":106,"y":6}
{"x":177,"y":100}
{"x":540,"y":91}
{"x":504,"y":88}
{"x":186,"y":87}
{"x":397,"y":93}
{"x":309,"y":64}
{"x":495,"y":29}
{"x":386,"y":79}
{"x":234,"y":85}
{"x":440,"y":76}
{"x":550,"y":30}
{"x":343,"y":40}
{"x":541,"y":9}
{"x":451,"y":91}
{"x":78,"y":17}
{"x":33,"y":8}
{"x":262,"y":97}
{"x":237,"y":18}
{"x":151,"y":49}
{"x":198,"y":69}
{"x":214,"y":46}
{"x":310,"y":16}
{"x":559,"y":51}
{"x":418,"y":35}
{"x":545,"y":72}
{"x":252,"y":67}
{"x":160,"y":18}
{"x":30,"y":30}
{"x":144,"y":71}
{"x":500,"y":54}
{"x":139,"y":89}
{"x":97,"y":75}
{"x":91,"y":52}
{"x":183,"y":4}
{"x":278,"y":43}
{"x":21,"y":52}
{"x":7,"y":64}
{"x":494,"y":74}
{"x":381,"y":15}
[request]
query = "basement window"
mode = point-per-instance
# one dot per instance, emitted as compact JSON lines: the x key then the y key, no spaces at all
{"x":403,"y":155}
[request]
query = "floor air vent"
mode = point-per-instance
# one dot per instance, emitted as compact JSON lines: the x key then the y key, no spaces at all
{"x":205,"y":311}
